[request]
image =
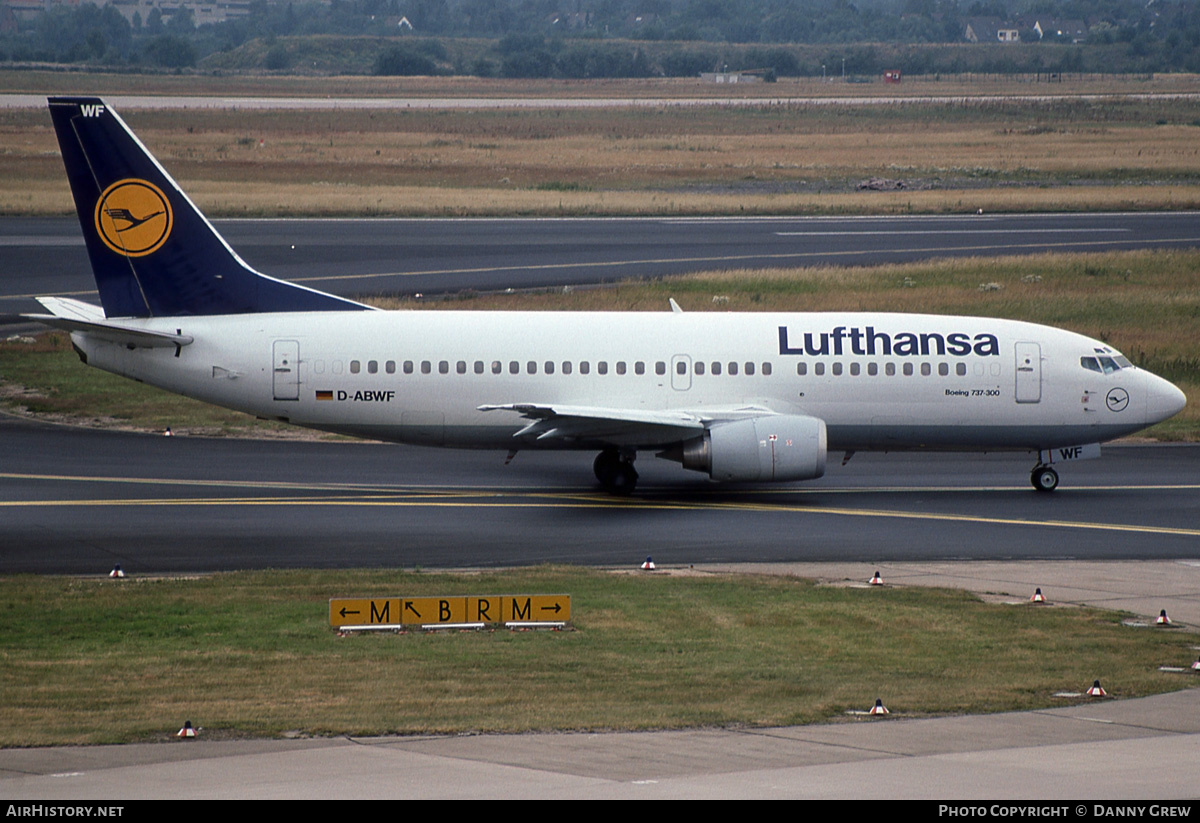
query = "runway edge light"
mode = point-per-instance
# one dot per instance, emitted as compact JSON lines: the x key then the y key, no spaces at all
{"x":1162,"y":620}
{"x":1037,"y":597}
{"x":878,"y":708}
{"x":876,"y":580}
{"x":187,"y":732}
{"x":648,"y":566}
{"x":1096,"y":690}
{"x":117,"y":573}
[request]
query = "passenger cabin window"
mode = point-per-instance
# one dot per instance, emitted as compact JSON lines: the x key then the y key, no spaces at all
{"x":639,"y":367}
{"x":408,"y":367}
{"x":497,"y":367}
{"x":549,"y":367}
{"x":355,"y":367}
{"x":444,"y":367}
{"x":620,"y":367}
{"x":566,"y":367}
{"x":390,"y":367}
{"x":716,"y":367}
{"x":426,"y":367}
{"x":749,"y":367}
{"x":699,"y":369}
{"x":479,"y":368}
{"x":461,"y":367}
{"x":372,"y":367}
{"x":733,"y":367}
{"x":584,"y":367}
{"x":602,"y":367}
{"x":801,"y":368}
{"x":660,"y":368}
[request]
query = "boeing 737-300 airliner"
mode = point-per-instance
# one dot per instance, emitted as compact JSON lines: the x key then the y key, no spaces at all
{"x":738,"y":396}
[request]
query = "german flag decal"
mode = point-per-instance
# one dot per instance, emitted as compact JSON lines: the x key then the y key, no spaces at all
{"x":324,"y":395}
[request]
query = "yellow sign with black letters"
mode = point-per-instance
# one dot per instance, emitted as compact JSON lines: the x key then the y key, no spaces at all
{"x":413,"y":612}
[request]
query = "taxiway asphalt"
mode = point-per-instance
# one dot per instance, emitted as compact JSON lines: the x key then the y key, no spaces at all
{"x":46,"y":256}
{"x":77,"y":501}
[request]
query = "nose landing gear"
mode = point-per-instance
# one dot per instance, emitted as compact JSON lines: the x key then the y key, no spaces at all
{"x":1044,"y":478}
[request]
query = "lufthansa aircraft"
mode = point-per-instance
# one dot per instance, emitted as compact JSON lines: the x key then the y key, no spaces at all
{"x":740,"y":397}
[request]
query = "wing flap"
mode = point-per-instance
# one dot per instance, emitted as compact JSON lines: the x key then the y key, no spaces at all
{"x":549,"y":422}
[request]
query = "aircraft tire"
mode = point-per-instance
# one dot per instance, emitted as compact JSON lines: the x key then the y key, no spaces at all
{"x":1044,"y":479}
{"x":617,"y":476}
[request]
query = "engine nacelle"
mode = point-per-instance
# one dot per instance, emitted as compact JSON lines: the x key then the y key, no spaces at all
{"x":772,"y":448}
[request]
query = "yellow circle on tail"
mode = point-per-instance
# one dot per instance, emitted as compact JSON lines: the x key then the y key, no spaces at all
{"x":133,"y":217}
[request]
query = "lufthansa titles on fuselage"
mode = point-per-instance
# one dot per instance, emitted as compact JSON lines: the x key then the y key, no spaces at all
{"x":869,"y":342}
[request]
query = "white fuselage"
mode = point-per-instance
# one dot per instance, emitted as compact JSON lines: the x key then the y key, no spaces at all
{"x":879,"y":381}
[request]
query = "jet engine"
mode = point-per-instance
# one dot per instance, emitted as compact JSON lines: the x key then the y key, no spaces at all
{"x":770,"y":448}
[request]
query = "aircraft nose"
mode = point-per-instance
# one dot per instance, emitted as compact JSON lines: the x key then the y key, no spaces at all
{"x":1164,"y":400}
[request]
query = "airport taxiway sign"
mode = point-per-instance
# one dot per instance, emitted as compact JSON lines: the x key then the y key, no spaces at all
{"x":424,"y":611}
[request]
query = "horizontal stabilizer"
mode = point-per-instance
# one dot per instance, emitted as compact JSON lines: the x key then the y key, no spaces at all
{"x":76,"y":316}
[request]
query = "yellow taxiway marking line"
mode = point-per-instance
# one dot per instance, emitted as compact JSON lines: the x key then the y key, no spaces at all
{"x":510,"y":488}
{"x":558,"y":500}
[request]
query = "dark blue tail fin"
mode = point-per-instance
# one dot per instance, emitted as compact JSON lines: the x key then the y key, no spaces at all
{"x":153,"y":253}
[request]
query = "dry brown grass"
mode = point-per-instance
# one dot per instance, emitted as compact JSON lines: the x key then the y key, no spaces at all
{"x":63,"y":82}
{"x":788,"y":158}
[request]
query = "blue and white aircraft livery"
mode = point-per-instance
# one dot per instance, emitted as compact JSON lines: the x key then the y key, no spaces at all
{"x":738,"y":396}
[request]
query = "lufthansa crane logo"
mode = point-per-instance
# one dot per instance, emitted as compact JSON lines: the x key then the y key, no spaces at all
{"x":133,"y":217}
{"x":1117,"y":400}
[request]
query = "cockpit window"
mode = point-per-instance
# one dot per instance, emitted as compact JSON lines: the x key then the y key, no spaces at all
{"x":1104,"y":364}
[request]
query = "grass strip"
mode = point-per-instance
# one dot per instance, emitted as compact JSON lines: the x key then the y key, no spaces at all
{"x":251,"y":654}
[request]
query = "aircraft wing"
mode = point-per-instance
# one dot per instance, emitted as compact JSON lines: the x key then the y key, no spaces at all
{"x":549,"y":422}
{"x":77,"y":316}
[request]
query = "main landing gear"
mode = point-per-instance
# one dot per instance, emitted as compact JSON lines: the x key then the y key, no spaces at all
{"x":1044,"y":478}
{"x":615,"y":471}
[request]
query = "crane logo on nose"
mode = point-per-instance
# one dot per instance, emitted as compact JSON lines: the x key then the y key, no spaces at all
{"x":1117,"y":400}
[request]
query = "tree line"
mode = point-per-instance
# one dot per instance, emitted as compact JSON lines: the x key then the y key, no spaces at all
{"x":624,"y":38}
